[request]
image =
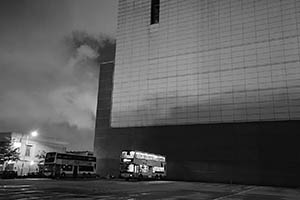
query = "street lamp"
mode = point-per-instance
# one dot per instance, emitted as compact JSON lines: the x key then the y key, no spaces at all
{"x":32,"y":134}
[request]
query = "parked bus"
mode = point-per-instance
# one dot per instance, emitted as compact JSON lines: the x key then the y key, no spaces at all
{"x":69,"y":165}
{"x":142,"y":165}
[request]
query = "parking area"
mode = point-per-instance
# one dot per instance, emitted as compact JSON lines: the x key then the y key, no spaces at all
{"x":35,"y":188}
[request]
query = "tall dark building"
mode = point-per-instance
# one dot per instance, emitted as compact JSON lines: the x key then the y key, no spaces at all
{"x":212,"y":84}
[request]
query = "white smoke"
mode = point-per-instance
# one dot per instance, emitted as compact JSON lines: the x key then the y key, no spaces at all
{"x":76,"y":103}
{"x":53,"y":89}
{"x":86,"y":52}
{"x":74,"y":106}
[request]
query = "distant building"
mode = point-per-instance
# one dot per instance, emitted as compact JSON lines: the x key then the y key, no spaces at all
{"x":30,"y":149}
{"x":212,"y":84}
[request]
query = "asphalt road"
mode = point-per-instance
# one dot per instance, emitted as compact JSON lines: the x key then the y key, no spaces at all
{"x":13,"y":189}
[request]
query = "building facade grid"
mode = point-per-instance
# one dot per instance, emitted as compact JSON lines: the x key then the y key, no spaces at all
{"x":207,"y":61}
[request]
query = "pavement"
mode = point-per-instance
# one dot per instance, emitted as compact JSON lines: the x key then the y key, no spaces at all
{"x":35,"y":188}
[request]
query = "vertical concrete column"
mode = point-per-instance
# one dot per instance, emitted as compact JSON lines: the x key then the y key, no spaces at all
{"x":105,"y":95}
{"x":103,"y":115}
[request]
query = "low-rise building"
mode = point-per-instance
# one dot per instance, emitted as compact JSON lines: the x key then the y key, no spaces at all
{"x":31,"y":150}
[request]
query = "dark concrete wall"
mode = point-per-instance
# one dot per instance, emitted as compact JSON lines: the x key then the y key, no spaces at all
{"x":265,"y":153}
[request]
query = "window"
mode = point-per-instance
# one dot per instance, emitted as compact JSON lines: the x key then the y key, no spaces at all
{"x":154,"y":11}
{"x":75,"y":157}
{"x":28,"y":149}
{"x":86,"y":168}
{"x":50,"y":157}
{"x":67,"y":167}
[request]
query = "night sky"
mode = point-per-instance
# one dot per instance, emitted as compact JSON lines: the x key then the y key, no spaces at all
{"x":45,"y":82}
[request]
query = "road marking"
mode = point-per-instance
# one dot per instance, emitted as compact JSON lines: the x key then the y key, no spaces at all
{"x":237,"y":193}
{"x":156,"y":182}
{"x":14,"y":186}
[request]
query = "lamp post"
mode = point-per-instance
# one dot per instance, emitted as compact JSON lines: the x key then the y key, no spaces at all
{"x":32,"y":134}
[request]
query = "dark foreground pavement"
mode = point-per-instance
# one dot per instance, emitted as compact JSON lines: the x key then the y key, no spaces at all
{"x":117,"y":189}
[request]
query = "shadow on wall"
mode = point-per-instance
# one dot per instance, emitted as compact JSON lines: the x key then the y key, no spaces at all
{"x":160,"y":109}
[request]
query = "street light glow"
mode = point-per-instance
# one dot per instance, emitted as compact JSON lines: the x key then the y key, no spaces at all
{"x":34,"y":133}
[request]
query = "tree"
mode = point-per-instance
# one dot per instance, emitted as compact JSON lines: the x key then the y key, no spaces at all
{"x":8,"y":151}
{"x":41,"y":156}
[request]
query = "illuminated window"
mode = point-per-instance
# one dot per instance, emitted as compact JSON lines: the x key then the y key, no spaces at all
{"x":28,"y":149}
{"x":67,"y":167}
{"x":130,"y":168}
{"x":154,"y":11}
{"x":126,"y":160}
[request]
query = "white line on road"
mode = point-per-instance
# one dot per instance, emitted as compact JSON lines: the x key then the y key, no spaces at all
{"x":241,"y":192}
{"x":14,"y":186}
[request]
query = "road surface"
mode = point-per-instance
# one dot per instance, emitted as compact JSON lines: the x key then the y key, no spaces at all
{"x":17,"y":189}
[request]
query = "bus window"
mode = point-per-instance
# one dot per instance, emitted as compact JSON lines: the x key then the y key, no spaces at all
{"x":86,"y":168}
{"x":127,"y":160}
{"x":50,"y":157}
{"x":67,"y":168}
